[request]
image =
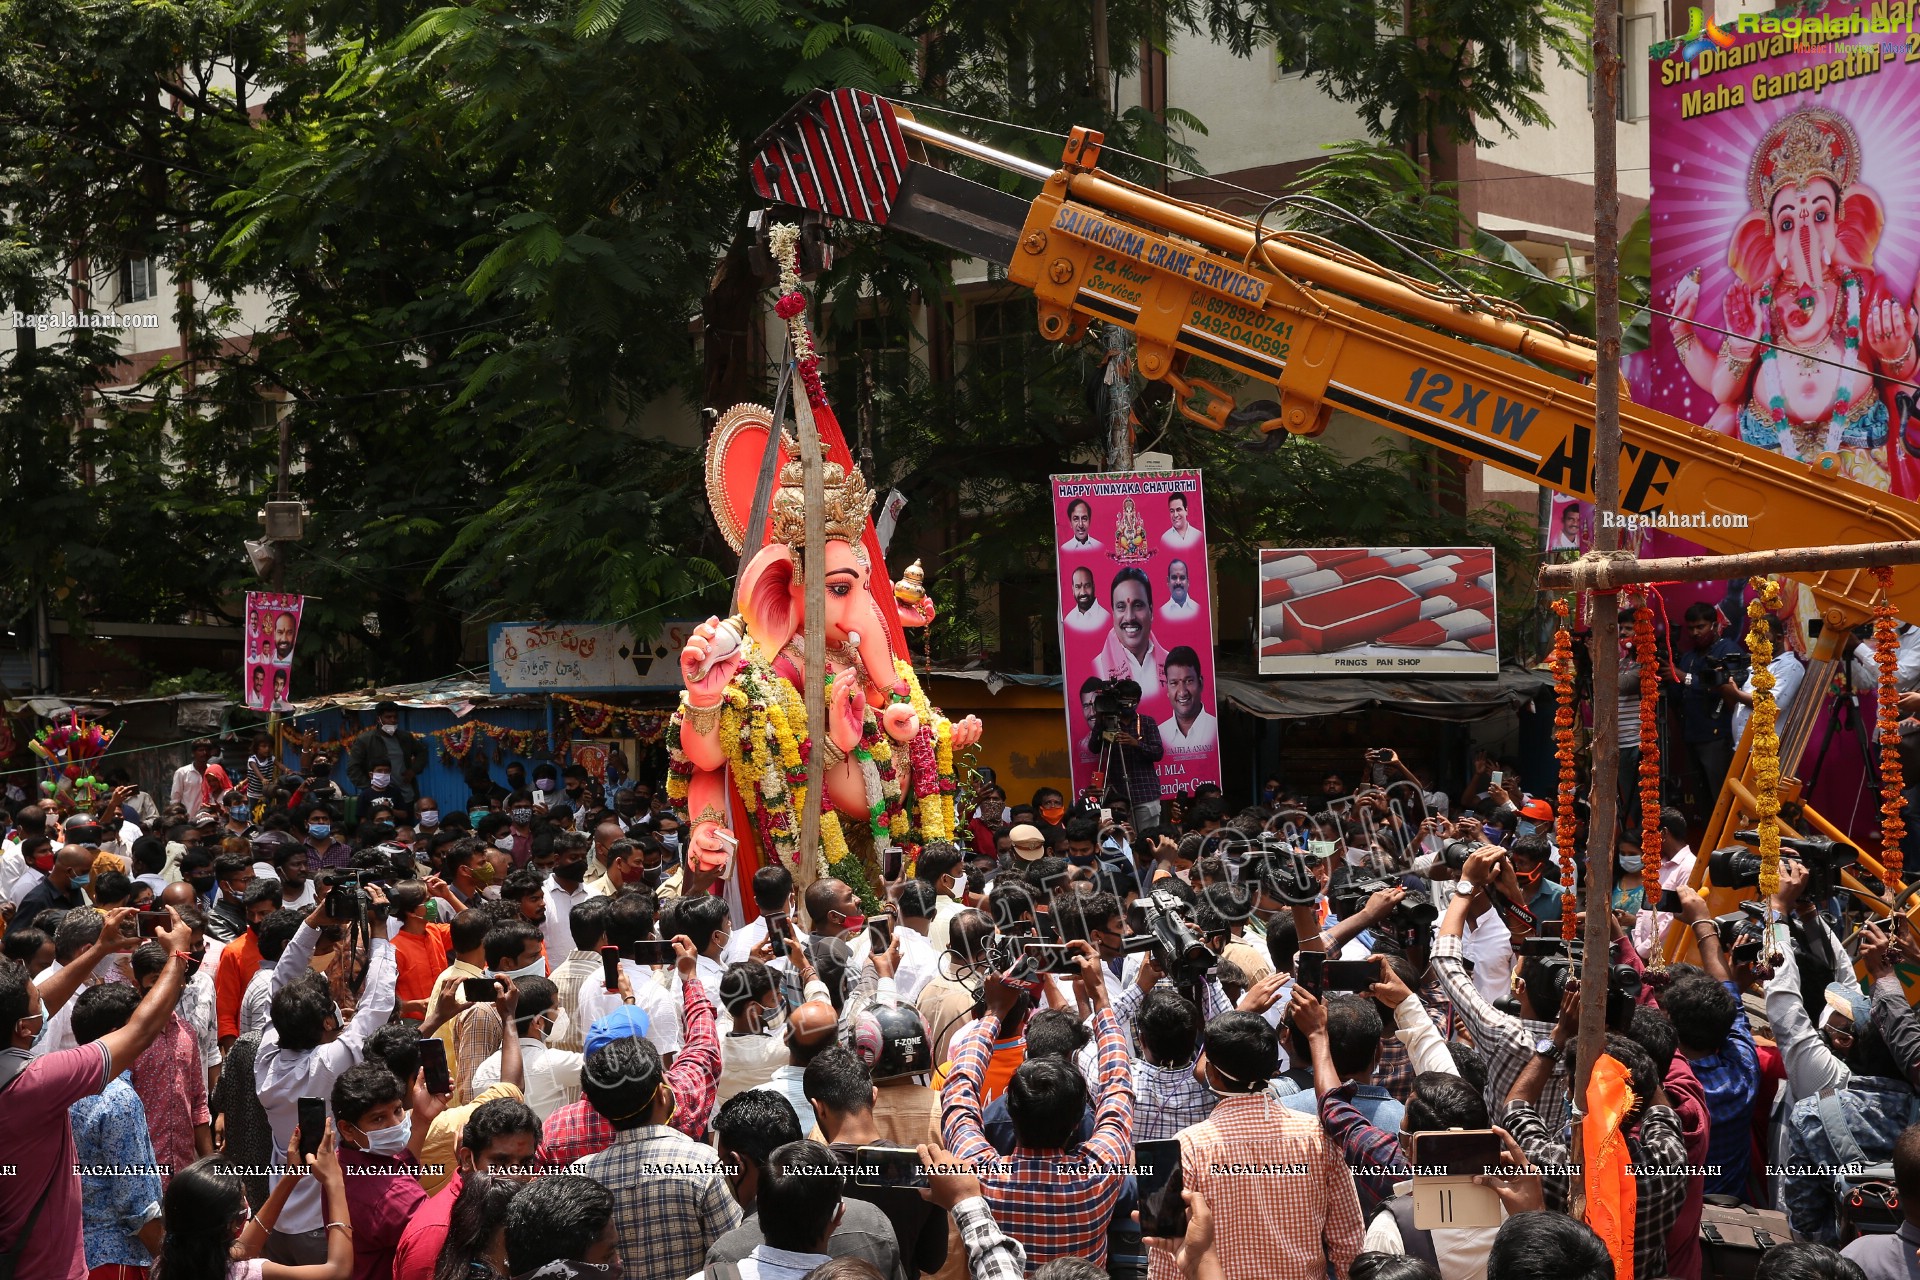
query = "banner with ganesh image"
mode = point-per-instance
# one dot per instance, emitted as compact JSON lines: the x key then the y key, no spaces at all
{"x":1786,"y":176}
{"x":1136,"y":603}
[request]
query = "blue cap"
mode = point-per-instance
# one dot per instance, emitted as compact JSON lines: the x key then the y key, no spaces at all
{"x":1847,"y":998}
{"x":618,"y":1025}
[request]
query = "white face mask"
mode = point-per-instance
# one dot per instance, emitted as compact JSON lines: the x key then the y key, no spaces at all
{"x":429,"y":817}
{"x":381,"y":778}
{"x":392,"y":1140}
{"x":389,"y":728}
{"x":538,"y":969}
{"x":503,"y":843}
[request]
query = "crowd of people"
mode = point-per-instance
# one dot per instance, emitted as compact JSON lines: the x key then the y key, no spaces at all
{"x":521,"y":1036}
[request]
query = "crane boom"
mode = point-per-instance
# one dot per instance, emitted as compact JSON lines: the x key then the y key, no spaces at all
{"x":1326,"y":327}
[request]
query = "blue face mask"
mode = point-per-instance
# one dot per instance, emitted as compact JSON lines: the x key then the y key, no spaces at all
{"x":1523,"y":828}
{"x":239,"y":813}
{"x":81,"y":882}
{"x":319,"y":828}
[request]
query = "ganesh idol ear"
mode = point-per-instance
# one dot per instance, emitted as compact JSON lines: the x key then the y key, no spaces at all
{"x":734,"y":457}
{"x":765,"y":597}
{"x":1750,"y":250}
{"x":1862,"y":219}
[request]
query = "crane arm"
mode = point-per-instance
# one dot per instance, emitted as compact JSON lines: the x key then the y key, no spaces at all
{"x":1326,"y":327}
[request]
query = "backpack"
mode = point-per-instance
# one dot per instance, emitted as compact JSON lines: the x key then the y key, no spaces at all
{"x":1735,"y":1236}
{"x":1865,"y":1191}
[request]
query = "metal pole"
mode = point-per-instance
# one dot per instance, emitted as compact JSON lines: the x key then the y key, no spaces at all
{"x":1606,"y":612}
{"x":814,"y":566}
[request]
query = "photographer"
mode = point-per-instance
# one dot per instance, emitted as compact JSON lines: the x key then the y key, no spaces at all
{"x":1128,"y":745}
{"x":1711,"y":1023}
{"x":1711,"y":670}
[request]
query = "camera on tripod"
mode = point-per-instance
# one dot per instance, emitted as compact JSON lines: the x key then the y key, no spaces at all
{"x":1173,"y":938}
{"x":1739,"y":868}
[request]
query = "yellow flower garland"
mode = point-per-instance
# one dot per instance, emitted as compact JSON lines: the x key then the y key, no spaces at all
{"x":1766,"y":739}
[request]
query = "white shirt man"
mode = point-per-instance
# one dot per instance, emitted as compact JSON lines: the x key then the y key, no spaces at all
{"x":1676,"y":872}
{"x":552,"y":1075}
{"x":1080,"y":520}
{"x":661,"y":1007}
{"x":1865,"y":667}
{"x":560,"y":902}
{"x":1200,"y":735}
{"x":1788,"y":670}
{"x":1181,"y":536}
{"x":1180,"y":606}
{"x":740,"y":946}
{"x":1087,"y":613}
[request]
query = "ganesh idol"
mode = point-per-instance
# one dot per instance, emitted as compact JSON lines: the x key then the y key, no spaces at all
{"x":1820,"y":340}
{"x":739,"y":742}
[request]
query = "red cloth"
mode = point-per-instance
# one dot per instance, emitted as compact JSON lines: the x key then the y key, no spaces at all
{"x":172,"y":1085}
{"x":573,"y":1131}
{"x":1690,"y":1101}
{"x":420,"y":1243}
{"x":381,"y":1198}
{"x":239,"y":961}
{"x":1773,"y":1074}
{"x":983,"y":838}
{"x":419,"y":958}
{"x":42,"y":1155}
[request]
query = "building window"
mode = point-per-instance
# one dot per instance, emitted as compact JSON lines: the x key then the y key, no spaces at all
{"x":138,"y":281}
{"x":1635,"y":42}
{"x":872,"y":357}
{"x":1004,"y":334}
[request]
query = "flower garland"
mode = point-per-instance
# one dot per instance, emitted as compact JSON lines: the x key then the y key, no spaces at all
{"x":1765,"y":749}
{"x":1646,"y":652}
{"x":930,"y":759}
{"x":1565,"y":825}
{"x":784,"y":239}
{"x":1886,"y":649}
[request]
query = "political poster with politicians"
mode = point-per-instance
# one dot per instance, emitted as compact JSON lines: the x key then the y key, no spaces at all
{"x":1136,"y":604}
{"x":273,"y":629}
{"x":1378,"y":611}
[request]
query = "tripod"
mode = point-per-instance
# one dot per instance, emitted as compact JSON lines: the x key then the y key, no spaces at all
{"x":1113,"y":765}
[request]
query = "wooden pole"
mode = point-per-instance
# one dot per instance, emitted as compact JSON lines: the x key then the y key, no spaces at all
{"x":1602,"y":573}
{"x":1605,"y":756}
{"x":814,"y":566}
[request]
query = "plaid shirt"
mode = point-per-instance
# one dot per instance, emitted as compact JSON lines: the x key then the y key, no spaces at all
{"x":577,"y":1130}
{"x":1371,"y":1152}
{"x":992,"y":1254}
{"x":476,"y":1037}
{"x":1055,"y":1203}
{"x":1655,"y":1149}
{"x":1877,"y":1110}
{"x":1395,"y":1072}
{"x":670,"y":1201}
{"x":1293,"y":1221}
{"x":573,"y":971}
{"x":1506,"y":1042}
{"x":1167,"y":1100}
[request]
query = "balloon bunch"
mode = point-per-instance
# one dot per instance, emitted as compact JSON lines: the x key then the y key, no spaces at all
{"x":70,"y":750}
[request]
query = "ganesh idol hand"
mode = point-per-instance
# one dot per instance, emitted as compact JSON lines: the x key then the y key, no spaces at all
{"x":1685,"y":303}
{"x":707,"y":640}
{"x":900,"y":722}
{"x":1743,"y":317}
{"x":966,"y":732}
{"x":1890,"y":328}
{"x":710,"y":846}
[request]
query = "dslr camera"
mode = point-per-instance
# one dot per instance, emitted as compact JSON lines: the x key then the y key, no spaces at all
{"x":1173,"y":938}
{"x":1409,"y":924}
{"x":1623,"y":989}
{"x":1736,"y":867}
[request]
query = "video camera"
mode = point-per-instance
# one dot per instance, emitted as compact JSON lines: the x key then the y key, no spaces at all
{"x":1742,"y":932}
{"x":345,"y":899}
{"x":1824,"y":859}
{"x":1623,"y":986}
{"x":1409,"y":924}
{"x":1113,"y":706}
{"x":1173,"y":939}
{"x":1280,"y":870}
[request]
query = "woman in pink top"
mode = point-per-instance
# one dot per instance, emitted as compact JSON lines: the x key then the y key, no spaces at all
{"x":210,"y":1235}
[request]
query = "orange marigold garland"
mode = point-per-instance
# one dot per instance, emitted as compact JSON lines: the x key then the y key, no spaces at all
{"x":1646,"y":655}
{"x":1886,"y":649}
{"x":1564,"y":823}
{"x":1765,"y":739}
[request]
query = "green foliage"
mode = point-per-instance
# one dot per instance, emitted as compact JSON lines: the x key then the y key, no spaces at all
{"x":198,"y":680}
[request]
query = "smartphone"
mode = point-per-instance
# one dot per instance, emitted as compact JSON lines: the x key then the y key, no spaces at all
{"x":778,"y":932}
{"x":1456,"y":1153}
{"x":1043,"y":926}
{"x":478,"y":990}
{"x":880,"y":932}
{"x":610,"y":966}
{"x":1669,"y":902}
{"x":1106,"y":815}
{"x":433,"y":1065}
{"x":311,"y":1116}
{"x":1351,"y":975}
{"x":1157,"y":1175}
{"x":1310,"y":971}
{"x":148,"y":924}
{"x":1051,"y":957}
{"x":653,"y":951}
{"x":889,"y":1167}
{"x":893,"y":863}
{"x":1496,"y":778}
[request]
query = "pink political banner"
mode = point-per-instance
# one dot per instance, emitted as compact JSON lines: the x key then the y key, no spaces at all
{"x":1378,"y":611}
{"x":1136,"y":603}
{"x":273,"y":629}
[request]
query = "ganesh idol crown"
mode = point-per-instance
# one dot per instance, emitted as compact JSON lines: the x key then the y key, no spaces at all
{"x":739,"y":742}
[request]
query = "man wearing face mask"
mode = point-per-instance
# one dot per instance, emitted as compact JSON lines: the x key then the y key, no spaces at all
{"x":772,"y":889}
{"x":1675,"y":872}
{"x":755,"y":1045}
{"x":513,"y":951}
{"x":237,"y":815}
{"x":552,"y":1076}
{"x":370,"y":1112}
{"x":519,"y":833}
{"x":498,"y":1139}
{"x":564,"y":890}
{"x":426,"y":818}
{"x":546,"y":785}
{"x":62,"y":890}
{"x":306,"y":1048}
{"x":383,"y":760}
{"x":942,"y":865}
{"x":227,"y":917}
